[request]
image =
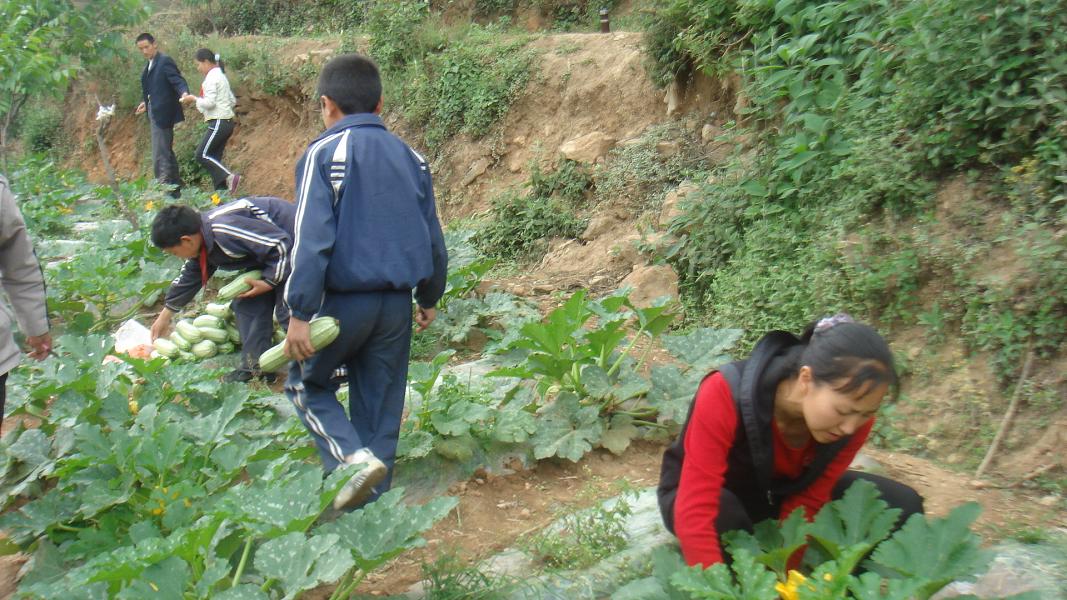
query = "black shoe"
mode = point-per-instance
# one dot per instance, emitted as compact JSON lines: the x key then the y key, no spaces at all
{"x":244,"y":376}
{"x":237,"y":376}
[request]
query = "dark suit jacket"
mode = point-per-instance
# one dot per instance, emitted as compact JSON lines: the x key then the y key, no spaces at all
{"x":165,"y":84}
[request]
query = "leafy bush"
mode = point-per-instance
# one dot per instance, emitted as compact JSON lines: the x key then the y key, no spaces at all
{"x":914,"y":562}
{"x":983,"y":80}
{"x":41,"y":127}
{"x":392,"y":25}
{"x":642,"y":172}
{"x":281,"y":17}
{"x":582,"y":537}
{"x":467,"y":86}
{"x":520,"y":225}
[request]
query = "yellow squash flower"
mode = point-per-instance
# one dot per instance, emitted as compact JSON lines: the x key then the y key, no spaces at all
{"x":788,"y":589}
{"x":149,"y":205}
{"x":215,"y":199}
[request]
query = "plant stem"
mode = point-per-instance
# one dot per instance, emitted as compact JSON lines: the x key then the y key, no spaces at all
{"x":341,"y":584}
{"x":649,"y":424}
{"x":244,"y":561}
{"x":633,"y":343}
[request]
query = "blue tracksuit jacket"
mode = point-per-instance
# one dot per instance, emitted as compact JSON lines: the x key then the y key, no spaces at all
{"x":366,"y":218}
{"x":250,"y":233}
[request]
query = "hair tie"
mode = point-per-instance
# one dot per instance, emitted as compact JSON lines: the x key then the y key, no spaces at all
{"x":826,"y":323}
{"x":217,"y":58}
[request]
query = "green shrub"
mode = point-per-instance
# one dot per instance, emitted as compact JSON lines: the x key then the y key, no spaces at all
{"x":642,"y":172}
{"x":392,"y":25}
{"x":519,"y":225}
{"x":467,"y":86}
{"x":281,"y":17}
{"x":41,"y":127}
{"x":983,"y":80}
{"x":569,"y":182}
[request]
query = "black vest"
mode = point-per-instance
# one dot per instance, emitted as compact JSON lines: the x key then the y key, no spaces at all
{"x":750,"y":462}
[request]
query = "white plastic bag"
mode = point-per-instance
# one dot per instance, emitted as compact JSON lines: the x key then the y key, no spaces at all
{"x":131,"y":335}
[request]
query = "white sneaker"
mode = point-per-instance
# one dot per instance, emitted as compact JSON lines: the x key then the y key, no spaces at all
{"x":361,"y":485}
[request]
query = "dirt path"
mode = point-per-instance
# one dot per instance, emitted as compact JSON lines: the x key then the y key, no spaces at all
{"x":496,"y":512}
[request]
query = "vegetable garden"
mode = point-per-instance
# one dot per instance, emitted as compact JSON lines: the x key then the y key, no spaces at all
{"x":131,"y":477}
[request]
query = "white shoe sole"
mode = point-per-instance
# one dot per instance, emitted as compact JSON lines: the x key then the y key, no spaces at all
{"x":361,"y":485}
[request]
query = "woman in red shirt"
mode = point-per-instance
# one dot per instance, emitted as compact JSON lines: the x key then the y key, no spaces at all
{"x":778,"y":431}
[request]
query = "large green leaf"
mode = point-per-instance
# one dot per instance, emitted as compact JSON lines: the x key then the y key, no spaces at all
{"x":870,"y":586}
{"x":269,"y":508}
{"x":245,"y":591}
{"x":567,"y":429}
{"x":753,"y":581}
{"x":619,"y":434}
{"x":165,"y":580}
{"x":299,"y":563}
{"x":210,"y":429}
{"x":859,"y":517}
{"x":936,"y":550}
{"x":704,"y":348}
{"x":514,"y":424}
{"x":414,"y":444}
{"x":386,"y":527}
{"x":672,"y":392}
{"x":457,"y":419}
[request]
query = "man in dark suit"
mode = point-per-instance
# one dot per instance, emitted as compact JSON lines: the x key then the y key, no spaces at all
{"x":162,"y":86}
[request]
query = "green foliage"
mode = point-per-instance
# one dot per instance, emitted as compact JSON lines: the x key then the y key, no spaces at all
{"x":41,"y":127}
{"x":992,"y":72}
{"x":520,"y":225}
{"x":450,"y":578}
{"x":856,"y":106}
{"x":146,"y":479}
{"x":187,"y":137}
{"x":47,"y":195}
{"x":279,"y":17}
{"x":43,"y":45}
{"x":664,"y":156}
{"x":466,"y":86}
{"x":580,"y":538}
{"x":392,"y":25}
{"x":916,"y":561}
{"x":568,"y":183}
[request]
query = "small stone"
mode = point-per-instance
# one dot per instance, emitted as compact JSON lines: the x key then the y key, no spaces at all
{"x":479,"y":481}
{"x":1050,"y":500}
{"x":978,"y":484}
{"x":709,"y":132}
{"x":525,"y":512}
{"x":476,"y":170}
{"x":587,"y":148}
{"x":668,"y":149}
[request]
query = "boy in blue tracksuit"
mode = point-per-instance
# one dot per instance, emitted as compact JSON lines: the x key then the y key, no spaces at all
{"x":254,"y":233}
{"x":367,"y":234}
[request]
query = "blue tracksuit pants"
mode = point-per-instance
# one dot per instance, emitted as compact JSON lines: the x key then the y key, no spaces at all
{"x":374,"y":344}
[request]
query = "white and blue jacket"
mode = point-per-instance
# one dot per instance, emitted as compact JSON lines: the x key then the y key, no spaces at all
{"x":250,"y":233}
{"x":366,"y":218}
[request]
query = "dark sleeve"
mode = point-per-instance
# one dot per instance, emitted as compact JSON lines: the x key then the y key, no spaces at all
{"x":315,"y":233}
{"x":708,"y":440}
{"x":174,"y":76}
{"x":429,"y":291}
{"x":185,"y":286}
{"x":267,"y":243}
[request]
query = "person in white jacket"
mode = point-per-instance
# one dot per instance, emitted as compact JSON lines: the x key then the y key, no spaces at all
{"x":215,"y":102}
{"x":23,"y":283}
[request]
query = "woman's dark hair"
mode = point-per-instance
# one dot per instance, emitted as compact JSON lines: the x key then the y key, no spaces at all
{"x":352,"y":82}
{"x":852,"y":357}
{"x":207,"y":55}
{"x":172,"y":222}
